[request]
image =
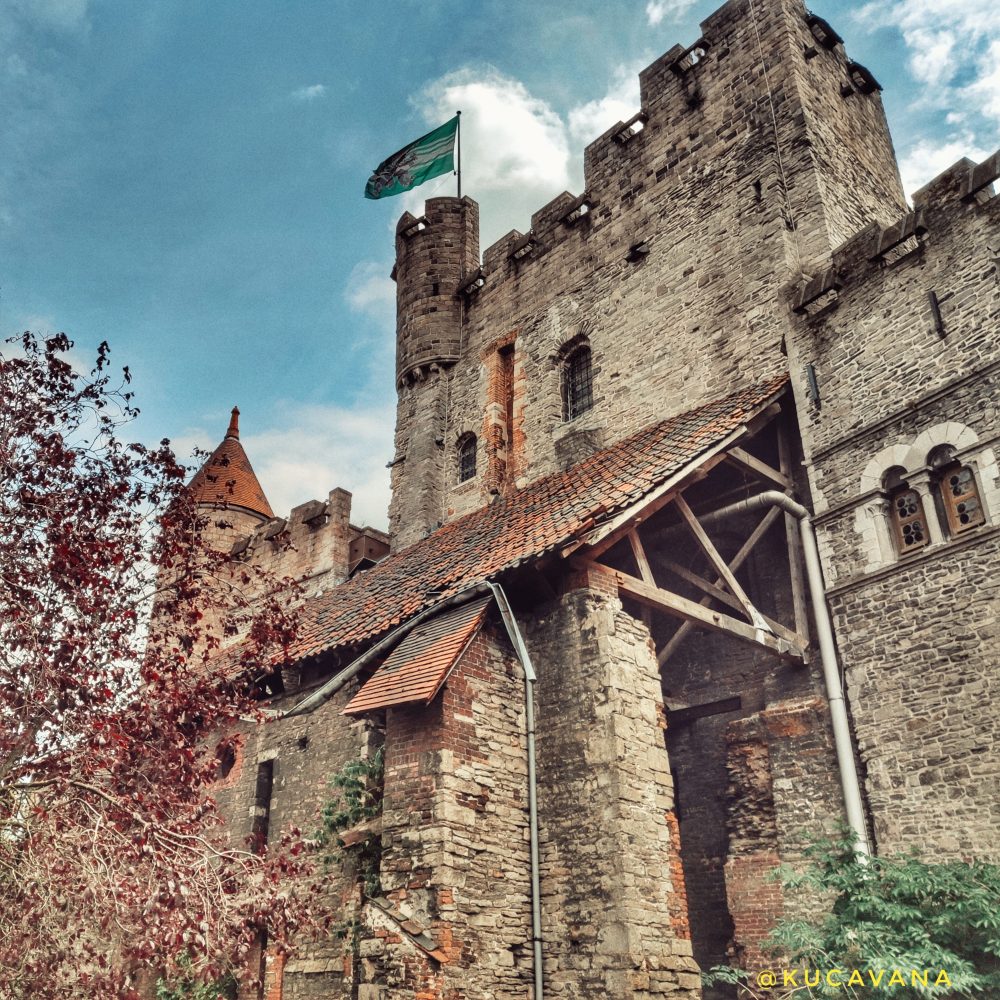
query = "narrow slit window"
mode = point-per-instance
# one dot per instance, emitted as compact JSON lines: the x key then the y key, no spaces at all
{"x":578,"y":384}
{"x":467,"y":458}
{"x":962,"y":504}
{"x":261,"y":815}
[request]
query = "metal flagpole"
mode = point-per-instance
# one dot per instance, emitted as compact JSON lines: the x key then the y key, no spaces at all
{"x":458,"y":140}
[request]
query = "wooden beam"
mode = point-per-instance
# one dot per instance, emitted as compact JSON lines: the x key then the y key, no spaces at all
{"x":745,"y":549}
{"x":794,"y":541}
{"x":684,"y":716}
{"x":603,"y":538}
{"x":726,"y":598}
{"x":728,"y":577}
{"x":680,"y":607}
{"x":640,"y":556}
{"x":760,"y":469}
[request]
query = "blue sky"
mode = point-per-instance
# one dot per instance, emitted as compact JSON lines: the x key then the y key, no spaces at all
{"x":184,"y":179}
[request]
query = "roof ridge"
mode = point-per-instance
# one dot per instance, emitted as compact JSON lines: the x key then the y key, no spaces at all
{"x":538,"y":518}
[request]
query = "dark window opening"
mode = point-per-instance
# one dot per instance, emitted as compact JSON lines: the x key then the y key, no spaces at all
{"x":269,"y":686}
{"x":226,"y":756}
{"x":467,"y":458}
{"x":578,"y":384}
{"x":262,"y":806}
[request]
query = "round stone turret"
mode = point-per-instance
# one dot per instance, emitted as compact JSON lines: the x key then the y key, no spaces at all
{"x":434,"y":254}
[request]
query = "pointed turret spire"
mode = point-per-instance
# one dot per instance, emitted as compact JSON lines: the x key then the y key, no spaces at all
{"x":228,"y":479}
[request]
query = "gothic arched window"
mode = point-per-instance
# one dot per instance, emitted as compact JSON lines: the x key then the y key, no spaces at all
{"x":578,"y":383}
{"x":467,"y":458}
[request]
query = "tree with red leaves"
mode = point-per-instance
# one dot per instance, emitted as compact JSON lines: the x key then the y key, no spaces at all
{"x":127,"y":646}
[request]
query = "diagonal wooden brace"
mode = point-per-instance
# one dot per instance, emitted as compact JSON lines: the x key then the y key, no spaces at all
{"x":680,"y":607}
{"x":721,"y":567}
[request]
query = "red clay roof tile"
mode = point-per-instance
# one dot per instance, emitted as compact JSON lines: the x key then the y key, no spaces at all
{"x":420,"y":664}
{"x":522,"y":525}
{"x":227,"y":478}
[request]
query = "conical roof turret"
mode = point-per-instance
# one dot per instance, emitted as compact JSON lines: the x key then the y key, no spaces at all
{"x":228,"y":479}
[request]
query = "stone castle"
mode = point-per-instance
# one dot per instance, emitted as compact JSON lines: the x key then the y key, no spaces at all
{"x":692,"y":554}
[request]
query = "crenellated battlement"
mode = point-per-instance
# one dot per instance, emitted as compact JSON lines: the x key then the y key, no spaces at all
{"x":939,"y":206}
{"x":755,"y":152}
{"x":702,"y":102}
{"x":316,"y":544}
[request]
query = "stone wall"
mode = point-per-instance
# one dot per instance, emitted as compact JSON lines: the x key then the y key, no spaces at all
{"x":613,"y":899}
{"x":303,"y":753}
{"x":724,"y":220}
{"x":917,"y":631}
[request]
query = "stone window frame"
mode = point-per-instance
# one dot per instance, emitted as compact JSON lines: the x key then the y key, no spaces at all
{"x":959,"y":516}
{"x":466,"y":458}
{"x":915,"y":465}
{"x":570,"y":376}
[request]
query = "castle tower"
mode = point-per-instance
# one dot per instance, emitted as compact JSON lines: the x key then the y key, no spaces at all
{"x":434,"y":255}
{"x":228,"y":484}
{"x":755,"y":152}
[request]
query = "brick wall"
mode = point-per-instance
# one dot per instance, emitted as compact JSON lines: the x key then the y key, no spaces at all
{"x":455,"y":847}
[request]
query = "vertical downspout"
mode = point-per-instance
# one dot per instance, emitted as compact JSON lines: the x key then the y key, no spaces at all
{"x":514,"y":633}
{"x":827,"y":653}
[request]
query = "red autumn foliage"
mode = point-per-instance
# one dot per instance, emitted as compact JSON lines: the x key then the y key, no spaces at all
{"x":127,"y":647}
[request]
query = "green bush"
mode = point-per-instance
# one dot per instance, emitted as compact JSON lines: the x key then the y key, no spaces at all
{"x":186,"y":988}
{"x":889,"y":913}
{"x":358,"y":798}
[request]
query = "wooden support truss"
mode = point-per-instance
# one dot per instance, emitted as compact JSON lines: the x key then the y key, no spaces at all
{"x":747,"y":623}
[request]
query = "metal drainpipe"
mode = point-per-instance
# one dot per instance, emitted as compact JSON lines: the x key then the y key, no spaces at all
{"x":827,"y":651}
{"x":529,"y":719}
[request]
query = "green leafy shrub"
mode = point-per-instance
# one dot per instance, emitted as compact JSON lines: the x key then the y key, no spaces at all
{"x":187,"y":988}
{"x":358,"y":798}
{"x":889,"y":913}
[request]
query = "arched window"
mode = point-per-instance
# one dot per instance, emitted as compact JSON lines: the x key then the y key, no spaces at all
{"x":962,"y":505}
{"x":578,"y":383}
{"x":906,"y":513}
{"x":467,"y":458}
{"x":957,"y":489}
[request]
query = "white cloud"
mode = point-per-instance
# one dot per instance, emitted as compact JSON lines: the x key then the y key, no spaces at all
{"x":314,"y":449}
{"x":621,"y":102}
{"x":954,"y":54}
{"x":370,"y":290}
{"x":518,"y":152}
{"x":657,"y":10}
{"x":926,"y":158}
{"x":310,"y":93}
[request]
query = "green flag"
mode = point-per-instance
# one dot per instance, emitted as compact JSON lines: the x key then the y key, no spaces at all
{"x":429,"y":156}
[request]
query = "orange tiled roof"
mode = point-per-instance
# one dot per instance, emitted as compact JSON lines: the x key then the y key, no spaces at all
{"x":521,"y":525}
{"x":228,"y":478}
{"x":420,"y":664}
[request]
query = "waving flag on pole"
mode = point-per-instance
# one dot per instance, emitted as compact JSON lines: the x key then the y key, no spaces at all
{"x":429,"y":156}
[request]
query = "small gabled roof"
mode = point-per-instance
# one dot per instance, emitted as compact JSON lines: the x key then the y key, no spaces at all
{"x":523,"y":525}
{"x":227,"y":479}
{"x":415,"y":670}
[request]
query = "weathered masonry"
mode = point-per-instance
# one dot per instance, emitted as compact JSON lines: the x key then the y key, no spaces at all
{"x":692,"y":554}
